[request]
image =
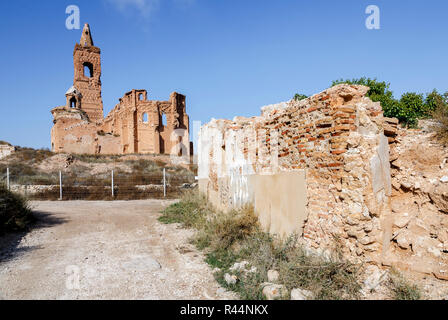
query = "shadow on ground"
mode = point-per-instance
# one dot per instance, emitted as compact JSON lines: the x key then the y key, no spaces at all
{"x":9,"y":242}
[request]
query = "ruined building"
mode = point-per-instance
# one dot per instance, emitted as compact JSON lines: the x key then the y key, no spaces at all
{"x":135,"y":125}
{"x":321,"y":168}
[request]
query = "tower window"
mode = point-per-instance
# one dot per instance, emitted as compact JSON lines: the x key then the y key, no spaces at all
{"x":140,"y":97}
{"x":163,"y":119}
{"x":88,"y":69}
{"x":145,"y":118}
{"x":73,"y":103}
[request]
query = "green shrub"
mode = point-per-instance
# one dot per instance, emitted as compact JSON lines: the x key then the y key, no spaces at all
{"x":15,"y":213}
{"x":412,"y":107}
{"x":299,"y":96}
{"x":435,"y":100}
{"x":379,"y":92}
{"x":407,"y":110}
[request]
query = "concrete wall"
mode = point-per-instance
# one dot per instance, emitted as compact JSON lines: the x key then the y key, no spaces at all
{"x":280,"y":202}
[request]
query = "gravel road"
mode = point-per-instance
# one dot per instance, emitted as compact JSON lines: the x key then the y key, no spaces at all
{"x":104,"y":250}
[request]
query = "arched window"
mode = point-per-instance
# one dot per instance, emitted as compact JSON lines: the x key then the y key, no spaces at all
{"x":140,"y":97}
{"x":73,"y":102}
{"x":145,"y":118}
{"x":88,"y":69}
{"x":163,"y":119}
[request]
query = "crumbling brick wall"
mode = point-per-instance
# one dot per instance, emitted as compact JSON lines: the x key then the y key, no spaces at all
{"x":6,"y":150}
{"x":335,"y":151}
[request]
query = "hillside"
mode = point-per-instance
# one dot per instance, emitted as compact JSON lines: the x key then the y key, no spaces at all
{"x":31,"y":170}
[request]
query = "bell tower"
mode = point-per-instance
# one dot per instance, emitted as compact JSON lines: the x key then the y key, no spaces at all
{"x":87,"y":79}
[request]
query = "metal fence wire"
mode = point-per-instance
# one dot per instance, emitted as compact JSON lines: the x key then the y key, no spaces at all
{"x":111,"y":185}
{"x":4,"y":179}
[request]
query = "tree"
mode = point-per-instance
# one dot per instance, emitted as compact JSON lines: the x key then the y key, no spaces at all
{"x":412,"y":107}
{"x":379,"y":92}
{"x":435,"y":100}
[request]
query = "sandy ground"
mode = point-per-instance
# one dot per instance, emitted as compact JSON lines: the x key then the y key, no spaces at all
{"x":104,"y":250}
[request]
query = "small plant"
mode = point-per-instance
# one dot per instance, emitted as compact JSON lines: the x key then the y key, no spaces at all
{"x":440,"y":105}
{"x":15,"y":214}
{"x":412,"y":107}
{"x":401,"y":288}
{"x":299,"y":96}
{"x":232,"y":237}
{"x":190,"y":212}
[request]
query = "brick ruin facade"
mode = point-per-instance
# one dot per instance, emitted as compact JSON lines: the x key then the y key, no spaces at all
{"x":320,"y":168}
{"x":6,"y":150}
{"x":135,"y":125}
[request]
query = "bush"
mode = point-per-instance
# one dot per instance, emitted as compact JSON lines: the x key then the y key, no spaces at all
{"x":440,"y":105}
{"x":379,"y":92}
{"x":15,"y":213}
{"x":231,"y":237}
{"x":222,"y":230}
{"x":299,"y":96}
{"x":407,"y":110}
{"x":412,"y":107}
{"x":434,"y":101}
{"x":190,"y":212}
{"x":32,"y":155}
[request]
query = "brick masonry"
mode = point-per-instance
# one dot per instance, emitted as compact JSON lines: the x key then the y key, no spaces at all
{"x":135,"y":125}
{"x":339,"y":138}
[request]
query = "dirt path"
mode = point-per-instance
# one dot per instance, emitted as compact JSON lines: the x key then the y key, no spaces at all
{"x":104,"y":250}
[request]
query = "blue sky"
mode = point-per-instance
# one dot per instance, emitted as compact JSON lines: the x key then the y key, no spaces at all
{"x":229,"y":57}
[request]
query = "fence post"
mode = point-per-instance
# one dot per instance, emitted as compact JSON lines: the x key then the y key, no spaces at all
{"x":60,"y":185}
{"x":112,"y":183}
{"x":7,"y":178}
{"x":164,"y":182}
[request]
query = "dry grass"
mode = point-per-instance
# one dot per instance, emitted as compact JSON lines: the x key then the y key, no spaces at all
{"x":79,"y":181}
{"x":15,"y":213}
{"x":231,"y":237}
{"x":401,"y":288}
{"x":441,"y":116}
{"x":31,"y":156}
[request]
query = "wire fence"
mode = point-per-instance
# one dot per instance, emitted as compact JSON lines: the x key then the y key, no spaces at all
{"x":111,"y":185}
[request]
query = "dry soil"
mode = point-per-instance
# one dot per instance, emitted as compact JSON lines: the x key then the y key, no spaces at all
{"x":104,"y":250}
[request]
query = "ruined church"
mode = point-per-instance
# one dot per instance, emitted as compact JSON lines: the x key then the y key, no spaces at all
{"x":135,"y":125}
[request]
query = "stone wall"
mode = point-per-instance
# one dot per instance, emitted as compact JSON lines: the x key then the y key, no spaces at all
{"x":317,"y":167}
{"x":6,"y":150}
